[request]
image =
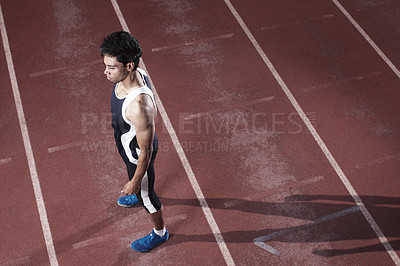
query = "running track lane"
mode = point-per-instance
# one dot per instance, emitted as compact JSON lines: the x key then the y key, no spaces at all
{"x":181,"y":153}
{"x":30,"y":160}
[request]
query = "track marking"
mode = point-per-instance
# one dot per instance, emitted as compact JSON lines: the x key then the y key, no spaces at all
{"x":19,"y":261}
{"x":41,"y":73}
{"x":231,"y":107}
{"x":317,"y":138}
{"x":182,"y":156}
{"x":5,"y":160}
{"x":28,"y":147}
{"x":374,"y":5}
{"x":341,"y":82}
{"x":374,"y":162}
{"x":174,"y":46}
{"x":259,"y":241}
{"x":371,"y":42}
{"x":95,"y":144}
{"x":297,"y":22}
{"x":273,"y":191}
{"x":65,"y":146}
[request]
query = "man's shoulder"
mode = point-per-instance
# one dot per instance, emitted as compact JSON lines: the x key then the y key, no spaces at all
{"x":141,"y":105}
{"x":143,"y":101}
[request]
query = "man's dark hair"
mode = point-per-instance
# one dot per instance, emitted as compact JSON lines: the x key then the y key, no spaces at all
{"x":122,"y":45}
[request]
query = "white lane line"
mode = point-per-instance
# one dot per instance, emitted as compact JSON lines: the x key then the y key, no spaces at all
{"x":28,"y":148}
{"x":5,"y":160}
{"x":297,"y":22}
{"x":182,"y":156}
{"x":232,"y":107}
{"x":120,"y":16}
{"x":41,"y":73}
{"x":174,"y":46}
{"x":260,"y":241}
{"x":369,"y":40}
{"x":317,"y":138}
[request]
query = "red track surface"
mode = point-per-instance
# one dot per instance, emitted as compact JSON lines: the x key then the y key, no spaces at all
{"x":259,"y":168}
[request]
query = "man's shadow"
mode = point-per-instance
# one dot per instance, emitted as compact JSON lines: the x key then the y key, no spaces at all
{"x":386,"y":211}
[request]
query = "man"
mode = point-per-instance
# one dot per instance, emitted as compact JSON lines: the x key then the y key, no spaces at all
{"x":133,"y":112}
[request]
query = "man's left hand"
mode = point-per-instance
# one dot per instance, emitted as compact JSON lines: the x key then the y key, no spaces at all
{"x":131,"y":187}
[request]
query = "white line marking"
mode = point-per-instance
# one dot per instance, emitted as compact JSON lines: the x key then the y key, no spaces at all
{"x":41,"y":73}
{"x":261,"y":100}
{"x":317,"y":138}
{"x":370,"y":41}
{"x":374,"y":162}
{"x":176,"y":218}
{"x":95,"y":144}
{"x":28,"y":148}
{"x":374,"y":5}
{"x":267,"y":248}
{"x":65,"y":146}
{"x":174,"y":46}
{"x":188,"y":169}
{"x":259,"y":241}
{"x":19,"y":261}
{"x":342,"y":81}
{"x":5,"y":160}
{"x":297,"y":22}
{"x":120,"y":16}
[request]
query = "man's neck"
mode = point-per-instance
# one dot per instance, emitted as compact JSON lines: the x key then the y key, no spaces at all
{"x":130,"y":83}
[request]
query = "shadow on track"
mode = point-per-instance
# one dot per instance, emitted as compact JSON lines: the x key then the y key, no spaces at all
{"x":353,"y":226}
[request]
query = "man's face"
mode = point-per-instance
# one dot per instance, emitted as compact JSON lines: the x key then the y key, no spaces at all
{"x":115,"y":71}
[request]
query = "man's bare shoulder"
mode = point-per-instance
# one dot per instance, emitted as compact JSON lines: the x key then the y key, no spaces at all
{"x":141,"y":106}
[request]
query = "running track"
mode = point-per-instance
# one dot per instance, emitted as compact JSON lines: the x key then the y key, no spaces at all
{"x":278,"y":129}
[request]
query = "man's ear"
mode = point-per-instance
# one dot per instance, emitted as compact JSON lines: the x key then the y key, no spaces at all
{"x":130,"y":65}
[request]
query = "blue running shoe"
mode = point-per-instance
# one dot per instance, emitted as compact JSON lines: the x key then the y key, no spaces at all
{"x":148,"y":242}
{"x":128,"y":200}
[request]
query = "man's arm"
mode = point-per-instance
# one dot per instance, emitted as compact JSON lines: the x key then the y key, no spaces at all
{"x":141,"y":113}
